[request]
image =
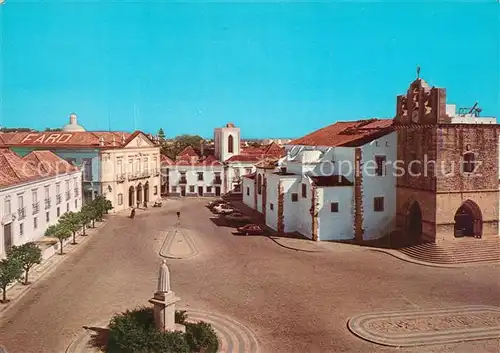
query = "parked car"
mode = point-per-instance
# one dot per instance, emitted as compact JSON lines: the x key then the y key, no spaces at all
{"x":238,"y":217}
{"x":251,"y":229}
{"x":214,"y":203}
{"x":223,"y":208}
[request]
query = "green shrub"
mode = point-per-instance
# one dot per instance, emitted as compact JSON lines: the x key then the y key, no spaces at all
{"x":181,"y":317}
{"x":201,"y":335}
{"x":134,"y":332}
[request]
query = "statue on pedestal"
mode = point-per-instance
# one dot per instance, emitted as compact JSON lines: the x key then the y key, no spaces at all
{"x":164,"y":301}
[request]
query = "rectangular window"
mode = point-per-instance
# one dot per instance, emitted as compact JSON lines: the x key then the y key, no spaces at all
{"x":87,"y":169}
{"x":58,"y":188}
{"x":295,"y":197}
{"x":146,"y":165}
{"x":21,"y":229}
{"x":58,"y":213}
{"x":155,"y":190}
{"x":334,"y":207}
{"x":200,"y":176}
{"x":35,"y":223}
{"x":47,"y":216}
{"x":380,"y":169}
{"x":304,"y":190}
{"x":67,"y":185}
{"x":271,"y":206}
{"x":120,"y":199}
{"x":20,"y":201}
{"x":34,"y":196}
{"x":378,"y":204}
{"x":67,"y":207}
{"x":248,"y":191}
{"x":119,"y":167}
{"x":209,"y":189}
{"x":130,"y":166}
{"x":47,"y":192}
{"x":191,"y":188}
{"x":7,"y":208}
{"x":76,"y":204}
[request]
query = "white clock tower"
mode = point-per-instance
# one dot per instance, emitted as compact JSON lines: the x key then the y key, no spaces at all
{"x":227,"y":142}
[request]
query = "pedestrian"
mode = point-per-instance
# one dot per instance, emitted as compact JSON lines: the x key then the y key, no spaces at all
{"x":145,"y":204}
{"x":178,"y":216}
{"x":132,"y":213}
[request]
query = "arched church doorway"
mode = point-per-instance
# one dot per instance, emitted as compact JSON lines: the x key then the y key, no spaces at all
{"x":414,"y":220}
{"x":131,"y":196}
{"x":139,"y":193}
{"x":468,"y":220}
{"x":146,"y":192}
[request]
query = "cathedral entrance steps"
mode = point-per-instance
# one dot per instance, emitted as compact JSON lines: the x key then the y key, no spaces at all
{"x":460,"y":251}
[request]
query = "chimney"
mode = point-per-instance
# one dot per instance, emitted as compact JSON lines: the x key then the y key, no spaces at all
{"x":101,"y":141}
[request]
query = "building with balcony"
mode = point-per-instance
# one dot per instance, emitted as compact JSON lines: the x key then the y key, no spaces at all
{"x":29,"y":189}
{"x":124,"y":167}
{"x":192,"y":175}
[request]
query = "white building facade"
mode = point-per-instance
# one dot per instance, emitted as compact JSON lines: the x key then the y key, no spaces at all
{"x":34,"y":199}
{"x":328,"y":190}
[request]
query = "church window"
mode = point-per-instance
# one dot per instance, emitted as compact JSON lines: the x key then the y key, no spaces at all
{"x":259,"y":184}
{"x":469,"y":162}
{"x":230,"y":143}
{"x":378,"y":204}
{"x":334,"y":207}
{"x":295,"y":197}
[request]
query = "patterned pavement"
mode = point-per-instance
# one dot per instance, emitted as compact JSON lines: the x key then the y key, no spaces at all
{"x":428,"y":327}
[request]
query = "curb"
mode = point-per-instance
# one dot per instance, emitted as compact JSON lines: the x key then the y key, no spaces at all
{"x":412,"y":260}
{"x":167,"y":243}
{"x":292,"y":248}
{"x":47,"y":269}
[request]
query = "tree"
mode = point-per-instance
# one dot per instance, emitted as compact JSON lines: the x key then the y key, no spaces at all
{"x":28,"y":254}
{"x":90,"y":213}
{"x":84,"y":219}
{"x":59,"y":231}
{"x":161,"y":134}
{"x":10,"y":270}
{"x":72,"y":222}
{"x":201,"y":335}
{"x":180,"y":143}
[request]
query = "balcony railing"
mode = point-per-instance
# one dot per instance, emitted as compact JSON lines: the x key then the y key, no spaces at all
{"x":36,"y":207}
{"x":217,"y":181}
{"x":68,"y":195}
{"x":138,"y":175}
{"x":47,"y":203}
{"x":58,"y":199}
{"x":120,"y":178}
{"x":182,"y":181}
{"x":21,"y":212}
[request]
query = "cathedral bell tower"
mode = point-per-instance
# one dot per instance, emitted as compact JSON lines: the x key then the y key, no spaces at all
{"x":227,"y":142}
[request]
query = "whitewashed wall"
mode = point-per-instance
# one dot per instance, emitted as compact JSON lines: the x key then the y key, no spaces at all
{"x":291,"y":210}
{"x":30,"y":233}
{"x":249,"y":192}
{"x":191,"y":173}
{"x":335,"y":225}
{"x":272,"y":198}
{"x":304,"y":220}
{"x":379,"y":224}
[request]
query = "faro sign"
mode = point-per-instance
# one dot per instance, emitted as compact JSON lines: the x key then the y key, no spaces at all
{"x":46,"y":138}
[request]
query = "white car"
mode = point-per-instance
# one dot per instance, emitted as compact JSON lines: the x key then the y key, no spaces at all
{"x":223,"y":208}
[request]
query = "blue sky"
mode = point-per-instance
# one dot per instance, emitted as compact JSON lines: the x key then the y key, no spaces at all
{"x":275,"y":70}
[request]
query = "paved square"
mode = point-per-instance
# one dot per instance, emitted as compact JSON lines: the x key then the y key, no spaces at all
{"x":291,"y":301}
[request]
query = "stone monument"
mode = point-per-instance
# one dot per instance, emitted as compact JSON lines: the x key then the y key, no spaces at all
{"x":164,"y":301}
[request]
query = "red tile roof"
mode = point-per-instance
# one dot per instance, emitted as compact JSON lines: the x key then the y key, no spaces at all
{"x":79,"y":139}
{"x":249,"y":176}
{"x":255,"y":154}
{"x":36,"y":165}
{"x":188,"y":151}
{"x":347,"y":133}
{"x":189,"y":161}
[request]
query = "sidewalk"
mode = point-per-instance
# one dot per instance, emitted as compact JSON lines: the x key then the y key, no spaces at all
{"x":17,"y":290}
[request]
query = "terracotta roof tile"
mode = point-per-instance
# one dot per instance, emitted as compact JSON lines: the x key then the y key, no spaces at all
{"x":347,"y":133}
{"x":36,"y":165}
{"x":78,"y":139}
{"x":188,"y":151}
{"x":255,"y":154}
